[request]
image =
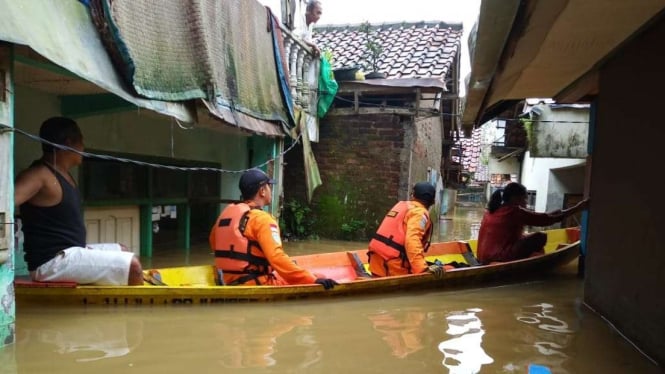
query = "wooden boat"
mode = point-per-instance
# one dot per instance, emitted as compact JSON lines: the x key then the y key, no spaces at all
{"x":196,"y":284}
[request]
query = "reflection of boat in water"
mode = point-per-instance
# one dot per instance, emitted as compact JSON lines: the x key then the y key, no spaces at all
{"x":196,"y":284}
{"x":85,"y":339}
{"x":247,"y":344}
{"x":401,"y":329}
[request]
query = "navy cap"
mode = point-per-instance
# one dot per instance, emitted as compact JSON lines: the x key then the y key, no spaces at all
{"x":425,"y":192}
{"x":251,"y":180}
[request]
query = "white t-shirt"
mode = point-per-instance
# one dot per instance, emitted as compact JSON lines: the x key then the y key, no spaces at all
{"x":302,"y":30}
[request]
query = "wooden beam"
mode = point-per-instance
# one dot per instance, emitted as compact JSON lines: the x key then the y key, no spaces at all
{"x":580,"y":90}
{"x":361,"y":111}
{"x":390,"y":90}
{"x":77,"y":106}
{"x":45,"y":66}
{"x":511,"y":154}
{"x":356,"y":102}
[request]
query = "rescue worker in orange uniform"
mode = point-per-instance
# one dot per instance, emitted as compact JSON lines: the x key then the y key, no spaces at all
{"x":247,"y":243}
{"x":400,"y":243}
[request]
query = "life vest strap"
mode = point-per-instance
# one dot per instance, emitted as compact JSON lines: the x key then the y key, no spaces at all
{"x":396,"y":246}
{"x":250,"y":258}
{"x":389,"y":242}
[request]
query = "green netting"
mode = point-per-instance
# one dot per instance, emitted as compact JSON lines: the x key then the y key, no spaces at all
{"x":221,"y":51}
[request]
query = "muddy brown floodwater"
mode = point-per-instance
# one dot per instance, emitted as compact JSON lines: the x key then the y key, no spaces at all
{"x":490,"y":330}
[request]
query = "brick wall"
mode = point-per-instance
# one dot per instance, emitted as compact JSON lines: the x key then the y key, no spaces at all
{"x":367,"y":163}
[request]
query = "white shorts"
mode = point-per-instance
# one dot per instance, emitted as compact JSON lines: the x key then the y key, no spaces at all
{"x":103,"y":264}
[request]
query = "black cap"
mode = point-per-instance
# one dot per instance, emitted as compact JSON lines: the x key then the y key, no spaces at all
{"x":251,"y":180}
{"x":425,"y":192}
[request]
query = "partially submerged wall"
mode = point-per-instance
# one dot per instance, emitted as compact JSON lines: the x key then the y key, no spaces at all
{"x":625,"y":262}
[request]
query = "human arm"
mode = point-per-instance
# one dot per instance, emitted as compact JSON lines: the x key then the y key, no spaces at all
{"x":545,"y":219}
{"x":265,"y":230}
{"x":315,"y":49}
{"x":416,"y":220}
{"x":28,"y":184}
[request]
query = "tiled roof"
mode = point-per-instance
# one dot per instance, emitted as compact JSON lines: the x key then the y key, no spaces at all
{"x":424,"y":49}
{"x":471,"y":149}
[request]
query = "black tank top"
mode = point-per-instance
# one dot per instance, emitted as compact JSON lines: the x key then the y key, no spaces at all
{"x":49,"y":230}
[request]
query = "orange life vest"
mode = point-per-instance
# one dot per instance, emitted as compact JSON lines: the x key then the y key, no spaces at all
{"x":388,"y":241}
{"x":234,"y":253}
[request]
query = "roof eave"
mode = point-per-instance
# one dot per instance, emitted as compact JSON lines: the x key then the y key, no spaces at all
{"x":486,"y":45}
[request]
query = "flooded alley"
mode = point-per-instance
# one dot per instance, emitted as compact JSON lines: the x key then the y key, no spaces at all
{"x":489,"y":330}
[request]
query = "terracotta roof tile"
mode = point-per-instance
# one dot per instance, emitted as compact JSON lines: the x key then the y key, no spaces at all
{"x":471,"y":151}
{"x":424,"y":49}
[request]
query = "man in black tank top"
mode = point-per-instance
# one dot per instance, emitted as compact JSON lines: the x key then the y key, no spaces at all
{"x":50,"y":206}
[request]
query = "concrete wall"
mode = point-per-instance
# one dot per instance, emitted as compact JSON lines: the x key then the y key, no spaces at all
{"x":511,"y":165}
{"x":367,"y":163}
{"x":560,"y":132}
{"x":138,"y":132}
{"x":536,"y":174}
{"x":625,"y":265}
{"x":426,"y":157}
{"x":563,"y":181}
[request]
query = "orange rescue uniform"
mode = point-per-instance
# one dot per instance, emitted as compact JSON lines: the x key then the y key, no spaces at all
{"x":412,"y":232}
{"x":261,"y":237}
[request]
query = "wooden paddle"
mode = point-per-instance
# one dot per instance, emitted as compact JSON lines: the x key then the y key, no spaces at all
{"x":359,"y":267}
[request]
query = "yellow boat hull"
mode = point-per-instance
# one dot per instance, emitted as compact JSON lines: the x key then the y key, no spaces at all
{"x":196,"y":284}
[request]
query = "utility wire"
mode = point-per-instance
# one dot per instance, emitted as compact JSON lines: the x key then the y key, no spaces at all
{"x":142,"y":163}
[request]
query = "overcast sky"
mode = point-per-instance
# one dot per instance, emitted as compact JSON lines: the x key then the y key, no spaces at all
{"x":337,"y":12}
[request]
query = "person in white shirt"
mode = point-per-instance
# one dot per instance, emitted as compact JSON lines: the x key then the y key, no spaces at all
{"x":313,"y":13}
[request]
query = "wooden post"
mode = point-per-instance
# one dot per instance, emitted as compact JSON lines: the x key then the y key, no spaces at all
{"x":184,"y":226}
{"x":8,"y":308}
{"x":146,"y":230}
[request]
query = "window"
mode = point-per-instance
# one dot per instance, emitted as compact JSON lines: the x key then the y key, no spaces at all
{"x":531,"y":199}
{"x":115,"y":180}
{"x":109,"y":180}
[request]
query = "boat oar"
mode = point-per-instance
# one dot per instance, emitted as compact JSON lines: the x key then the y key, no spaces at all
{"x":358,"y":265}
{"x":468,"y":255}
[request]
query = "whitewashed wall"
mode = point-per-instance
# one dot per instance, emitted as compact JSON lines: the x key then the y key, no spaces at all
{"x":536,"y":174}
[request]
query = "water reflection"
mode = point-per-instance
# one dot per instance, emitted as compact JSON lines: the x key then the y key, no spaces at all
{"x":541,"y":315}
{"x":463,"y":353}
{"x":84,"y":338}
{"x":549,"y":335}
{"x":463,"y":225}
{"x":402,"y":330}
{"x":502,"y":329}
{"x":247,"y":342}
{"x":489,"y":330}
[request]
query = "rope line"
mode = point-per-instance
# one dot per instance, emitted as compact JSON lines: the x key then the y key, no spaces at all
{"x":142,"y":163}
